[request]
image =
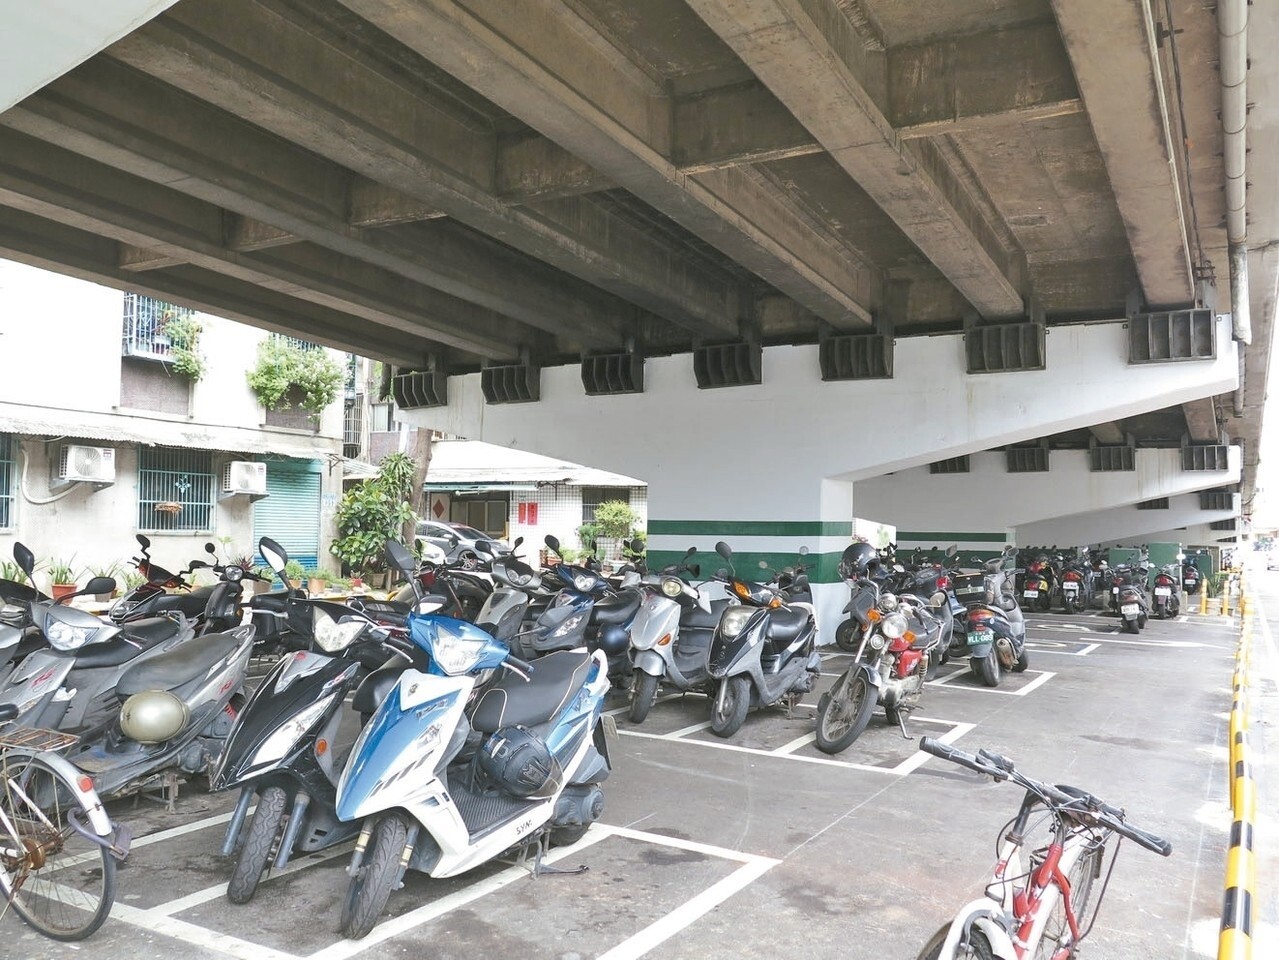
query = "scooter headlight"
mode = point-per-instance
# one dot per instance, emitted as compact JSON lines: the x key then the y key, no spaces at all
{"x":734,"y":620}
{"x":672,"y":587}
{"x":888,"y":602}
{"x":894,"y":626}
{"x":454,"y":655}
{"x":65,"y":636}
{"x":583,"y":583}
{"x":332,"y":636}
{"x":290,"y":731}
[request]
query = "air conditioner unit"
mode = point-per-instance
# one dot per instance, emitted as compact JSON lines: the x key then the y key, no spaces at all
{"x":244,"y":476}
{"x":94,"y":464}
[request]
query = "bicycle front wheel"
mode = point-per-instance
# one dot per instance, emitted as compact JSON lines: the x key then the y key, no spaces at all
{"x":1057,"y":935}
{"x":978,"y":947}
{"x":59,"y":882}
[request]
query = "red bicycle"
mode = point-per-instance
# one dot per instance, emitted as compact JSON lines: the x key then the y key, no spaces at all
{"x":1035,"y":908}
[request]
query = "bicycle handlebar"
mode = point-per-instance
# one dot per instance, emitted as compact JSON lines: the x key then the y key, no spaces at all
{"x":1002,"y":768}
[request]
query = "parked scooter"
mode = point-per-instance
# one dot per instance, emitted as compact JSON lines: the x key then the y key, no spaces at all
{"x":900,"y":640}
{"x":68,"y":680}
{"x":515,"y":584}
{"x":1191,"y":576}
{"x":1077,"y":585}
{"x":153,"y":598}
{"x":1128,"y":593}
{"x":993,"y":637}
{"x":282,"y":749}
{"x":442,"y":789}
{"x":671,"y":636}
{"x":1039,"y":583}
{"x":1166,"y":601}
{"x":763,"y":651}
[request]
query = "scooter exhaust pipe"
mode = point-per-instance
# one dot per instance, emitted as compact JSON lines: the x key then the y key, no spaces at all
{"x":1004,"y":649}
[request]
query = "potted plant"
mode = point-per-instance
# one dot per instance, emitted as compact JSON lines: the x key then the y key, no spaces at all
{"x":111,"y":570}
{"x":286,"y":375}
{"x":294,"y":572}
{"x":12,"y":572}
{"x":316,"y":581}
{"x":61,"y":578}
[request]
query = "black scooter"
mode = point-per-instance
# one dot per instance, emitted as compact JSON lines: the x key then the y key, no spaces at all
{"x":763,"y":651}
{"x":282,"y":747}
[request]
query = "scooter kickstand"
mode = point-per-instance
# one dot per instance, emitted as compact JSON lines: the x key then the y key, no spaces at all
{"x":901,"y":723}
{"x":539,"y":868}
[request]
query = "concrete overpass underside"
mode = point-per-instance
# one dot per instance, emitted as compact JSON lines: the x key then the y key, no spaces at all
{"x":507,"y":198}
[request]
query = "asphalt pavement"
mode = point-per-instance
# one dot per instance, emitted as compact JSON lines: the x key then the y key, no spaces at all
{"x":761,"y":846}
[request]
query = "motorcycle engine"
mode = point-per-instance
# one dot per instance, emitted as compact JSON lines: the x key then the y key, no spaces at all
{"x":152,"y":716}
{"x":517,"y":761}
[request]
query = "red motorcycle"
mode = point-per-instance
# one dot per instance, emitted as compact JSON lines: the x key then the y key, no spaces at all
{"x":1167,"y":598}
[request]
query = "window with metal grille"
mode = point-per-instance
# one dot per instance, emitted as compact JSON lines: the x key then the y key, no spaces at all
{"x":953,"y":465}
{"x":175,"y":489}
{"x":144,"y":320}
{"x":352,"y":427}
{"x":6,"y":481}
{"x":592,"y":497}
{"x":1160,"y":503}
{"x":296,"y":342}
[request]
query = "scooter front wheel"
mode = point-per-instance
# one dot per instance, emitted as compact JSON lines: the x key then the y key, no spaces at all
{"x":643,"y":695}
{"x":370,"y":888}
{"x":258,"y":844}
{"x":728,"y":709}
{"x":845,"y":712}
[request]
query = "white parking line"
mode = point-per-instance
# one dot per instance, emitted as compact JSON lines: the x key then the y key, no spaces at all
{"x":1049,"y":646}
{"x":1039,"y":681}
{"x":684,"y":731}
{"x":212,"y":893}
{"x":1178,"y":644}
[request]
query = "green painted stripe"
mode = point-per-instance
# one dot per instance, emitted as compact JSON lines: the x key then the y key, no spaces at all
{"x":950,"y":536}
{"x":751,"y":528}
{"x":822,"y":567}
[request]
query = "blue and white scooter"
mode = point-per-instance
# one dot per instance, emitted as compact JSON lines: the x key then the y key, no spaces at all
{"x":443,"y":783}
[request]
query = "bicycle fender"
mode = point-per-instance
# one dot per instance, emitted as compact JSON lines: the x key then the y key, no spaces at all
{"x":98,"y":818}
{"x":979,"y":914}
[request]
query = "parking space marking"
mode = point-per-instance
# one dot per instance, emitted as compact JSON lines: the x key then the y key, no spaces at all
{"x":161,"y":919}
{"x":212,"y":893}
{"x":958,"y":729}
{"x":1180,"y":644}
{"x":1039,"y":681}
{"x":1054,"y":647}
{"x":684,"y":731}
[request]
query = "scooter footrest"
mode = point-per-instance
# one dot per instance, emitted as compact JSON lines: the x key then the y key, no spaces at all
{"x":485,"y":812}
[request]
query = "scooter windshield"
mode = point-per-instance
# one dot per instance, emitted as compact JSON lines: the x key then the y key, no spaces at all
{"x":455,"y":647}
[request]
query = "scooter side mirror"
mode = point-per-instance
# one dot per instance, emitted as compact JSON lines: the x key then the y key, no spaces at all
{"x":25,"y":559}
{"x":210,"y":549}
{"x":276,"y":557}
{"x":724,"y":550}
{"x":517,"y":543}
{"x":99,"y":585}
{"x":144,"y":541}
{"x":399,"y":558}
{"x":553,"y":542}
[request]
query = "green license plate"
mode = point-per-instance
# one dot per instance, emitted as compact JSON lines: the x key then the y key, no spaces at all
{"x":981,"y":636}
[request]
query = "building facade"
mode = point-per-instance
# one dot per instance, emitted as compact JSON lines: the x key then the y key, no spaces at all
{"x":103,"y":437}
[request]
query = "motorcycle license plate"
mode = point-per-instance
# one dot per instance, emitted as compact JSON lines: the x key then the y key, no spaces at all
{"x":1163,"y":591}
{"x":1130,"y":609}
{"x":1030,"y":593}
{"x":1070,"y":587}
{"x":980,"y":636}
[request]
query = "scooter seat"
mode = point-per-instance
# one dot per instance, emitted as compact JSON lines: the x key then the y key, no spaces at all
{"x":512,"y":700}
{"x":175,"y":667}
{"x":784,"y":626}
{"x":614,"y":610}
{"x":141,"y":635}
{"x":697,"y":617}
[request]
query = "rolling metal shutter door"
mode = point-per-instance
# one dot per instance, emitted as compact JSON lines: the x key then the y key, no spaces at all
{"x":290,"y":515}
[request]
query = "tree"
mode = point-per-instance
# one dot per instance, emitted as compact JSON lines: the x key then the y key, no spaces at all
{"x":374,"y":512}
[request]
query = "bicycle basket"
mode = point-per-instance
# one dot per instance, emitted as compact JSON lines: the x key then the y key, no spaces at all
{"x":36,"y":738}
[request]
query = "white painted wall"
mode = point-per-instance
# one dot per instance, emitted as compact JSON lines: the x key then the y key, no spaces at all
{"x":1123,"y":523}
{"x":42,"y":41}
{"x":989,"y":498}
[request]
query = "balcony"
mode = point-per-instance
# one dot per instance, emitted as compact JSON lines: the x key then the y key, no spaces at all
{"x":144,"y":320}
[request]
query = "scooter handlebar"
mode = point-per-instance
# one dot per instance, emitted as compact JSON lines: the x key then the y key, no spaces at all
{"x":520,"y":666}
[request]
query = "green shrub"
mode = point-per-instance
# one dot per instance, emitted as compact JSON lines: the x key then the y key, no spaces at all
{"x":283,"y":369}
{"x":374,"y":512}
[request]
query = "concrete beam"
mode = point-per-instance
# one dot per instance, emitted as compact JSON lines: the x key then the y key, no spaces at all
{"x":976,"y":82}
{"x":351,"y":107}
{"x":52,"y":246}
{"x":1201,"y":420}
{"x":989,"y":498}
{"x":78,"y":192}
{"x":551,"y":68}
{"x":727,"y":127}
{"x":1108,"y":433}
{"x":1121,"y":523}
{"x":1088,"y":362}
{"x":109,"y":112}
{"x":809,"y":55}
{"x":1112,"y":48}
{"x":531,"y":167}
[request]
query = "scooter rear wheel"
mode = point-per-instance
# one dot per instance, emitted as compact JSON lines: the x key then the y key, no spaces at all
{"x":1130,"y":626}
{"x":370,"y":888}
{"x":1023,"y":661}
{"x":844,"y":712}
{"x":986,"y":668}
{"x":643,"y":694}
{"x":258,"y":844}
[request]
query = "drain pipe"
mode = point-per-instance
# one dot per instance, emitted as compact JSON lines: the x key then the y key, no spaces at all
{"x":1232,"y":34}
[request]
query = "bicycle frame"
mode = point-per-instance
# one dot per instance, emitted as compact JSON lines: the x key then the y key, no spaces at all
{"x":1024,"y":910}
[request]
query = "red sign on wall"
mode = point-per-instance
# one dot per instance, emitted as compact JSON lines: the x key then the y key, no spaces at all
{"x":528,"y":514}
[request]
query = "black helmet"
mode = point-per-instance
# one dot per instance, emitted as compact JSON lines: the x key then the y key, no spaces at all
{"x":857,"y":559}
{"x":517,"y":760}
